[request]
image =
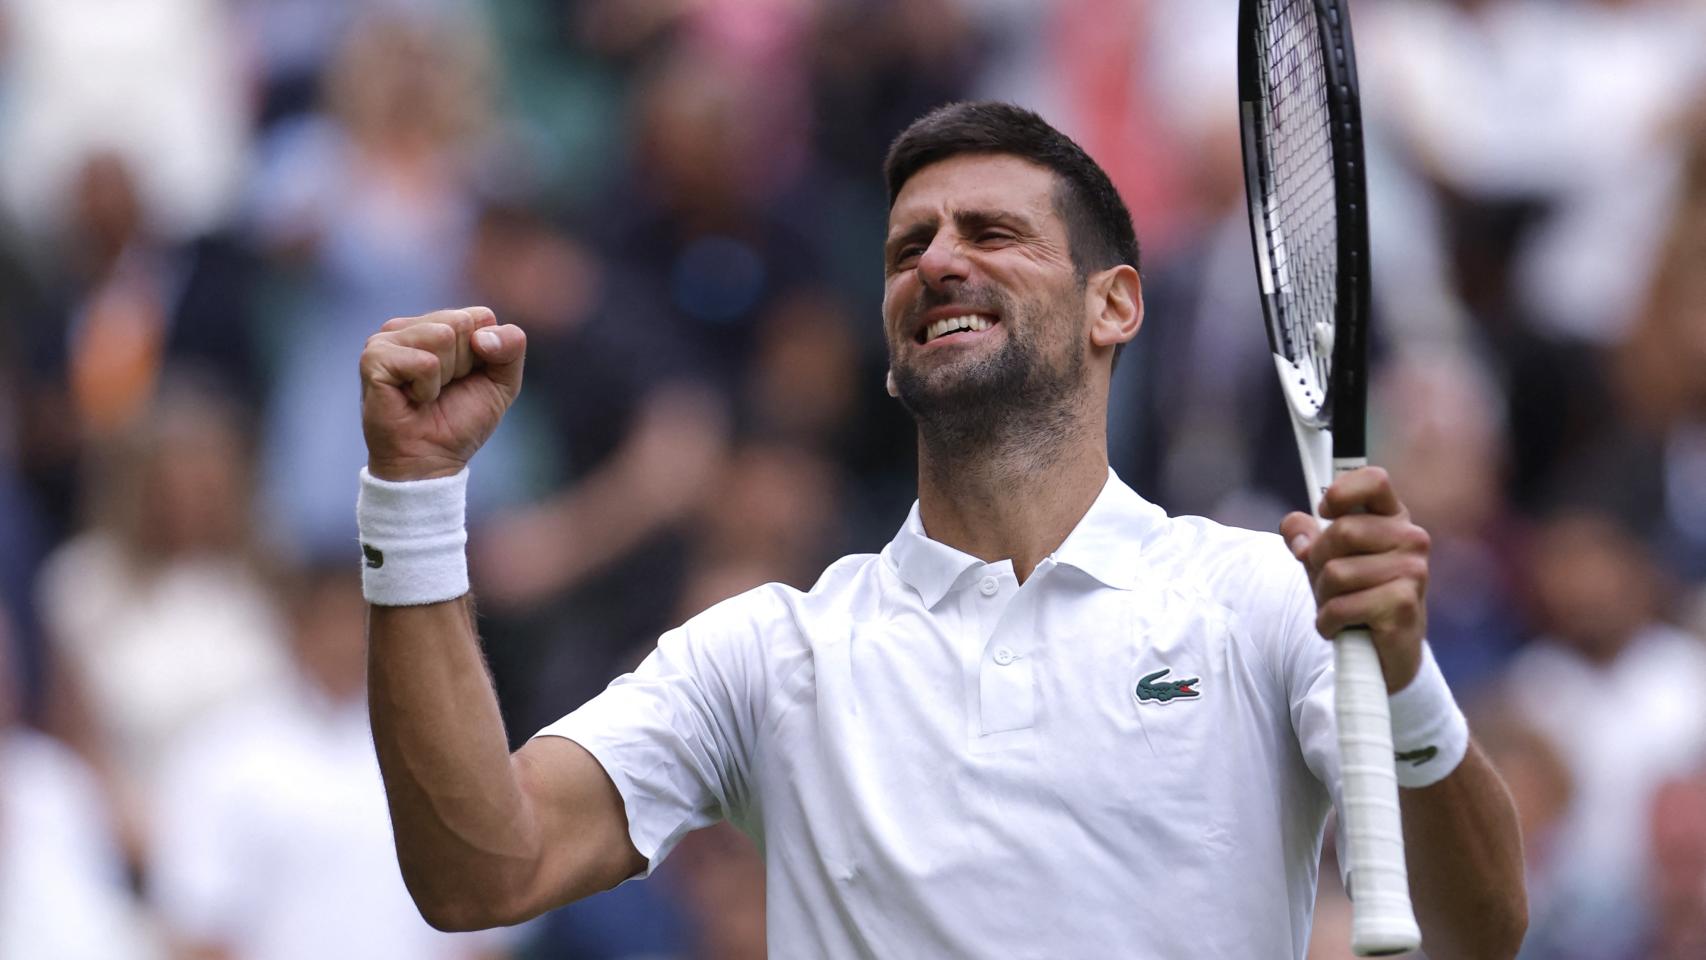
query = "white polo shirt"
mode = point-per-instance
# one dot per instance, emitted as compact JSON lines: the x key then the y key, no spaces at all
{"x":940,"y":762}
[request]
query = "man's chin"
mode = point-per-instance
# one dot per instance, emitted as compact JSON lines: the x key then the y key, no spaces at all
{"x":953,"y":387}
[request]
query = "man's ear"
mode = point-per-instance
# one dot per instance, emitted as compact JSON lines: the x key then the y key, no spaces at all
{"x":1118,"y":302}
{"x":888,"y":384}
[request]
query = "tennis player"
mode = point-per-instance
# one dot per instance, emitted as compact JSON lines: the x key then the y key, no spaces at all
{"x":1046,"y":721}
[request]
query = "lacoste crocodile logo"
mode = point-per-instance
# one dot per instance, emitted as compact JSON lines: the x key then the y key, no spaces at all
{"x":1152,"y":687}
{"x":375,"y":558}
{"x":1416,"y":758}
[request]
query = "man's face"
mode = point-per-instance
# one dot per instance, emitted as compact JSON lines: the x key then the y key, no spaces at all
{"x":981,"y":302}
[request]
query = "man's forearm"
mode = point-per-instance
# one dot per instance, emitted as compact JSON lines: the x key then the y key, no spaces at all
{"x":465,"y":839}
{"x":1464,"y":853}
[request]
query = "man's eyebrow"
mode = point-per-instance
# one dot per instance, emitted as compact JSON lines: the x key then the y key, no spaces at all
{"x":968,"y":221}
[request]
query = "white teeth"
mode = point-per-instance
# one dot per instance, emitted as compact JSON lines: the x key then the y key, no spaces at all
{"x":955,"y":324}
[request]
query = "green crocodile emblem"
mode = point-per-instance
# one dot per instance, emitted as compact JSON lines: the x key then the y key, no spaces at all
{"x":1154,"y":688}
{"x":1416,"y":758}
{"x":375,"y":558}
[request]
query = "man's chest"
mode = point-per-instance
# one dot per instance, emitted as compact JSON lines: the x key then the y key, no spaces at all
{"x":1049,"y":728}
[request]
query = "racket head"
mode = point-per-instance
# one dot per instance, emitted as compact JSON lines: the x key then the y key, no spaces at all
{"x":1301,"y":124}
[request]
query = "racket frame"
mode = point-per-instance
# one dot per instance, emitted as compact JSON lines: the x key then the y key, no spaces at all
{"x":1331,"y":433}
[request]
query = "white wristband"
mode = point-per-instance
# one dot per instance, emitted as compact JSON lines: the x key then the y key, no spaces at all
{"x":412,"y":539}
{"x":1429,"y":735}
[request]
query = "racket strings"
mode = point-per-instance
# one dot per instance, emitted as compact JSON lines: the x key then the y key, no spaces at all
{"x":1299,"y":209}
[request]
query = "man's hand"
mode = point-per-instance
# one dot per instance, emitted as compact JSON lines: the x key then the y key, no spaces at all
{"x":1369,"y":568}
{"x":433,"y":389}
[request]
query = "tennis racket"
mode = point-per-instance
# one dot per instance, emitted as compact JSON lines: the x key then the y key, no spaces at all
{"x":1303,"y":175}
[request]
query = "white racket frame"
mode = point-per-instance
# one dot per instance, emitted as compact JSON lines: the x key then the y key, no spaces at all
{"x":1383,"y":921}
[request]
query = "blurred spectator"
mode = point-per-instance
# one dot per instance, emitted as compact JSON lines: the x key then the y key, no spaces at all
{"x":288,"y":44}
{"x":155,"y":84}
{"x":719,"y":875}
{"x":273,"y":839}
{"x":62,"y":881}
{"x":25,"y":535}
{"x":157,"y":612}
{"x":134,"y":303}
{"x":876,"y":67}
{"x":640,"y":431}
{"x":1569,"y":106}
{"x":1441,"y":432}
{"x":1679,"y":876}
{"x":705,"y":217}
{"x":802,"y":386}
{"x":773,"y":515}
{"x":1659,"y":381}
{"x":1618,"y":694}
{"x":812,"y":387}
{"x":369,"y":209}
{"x":574,"y":579}
{"x":106,"y":311}
{"x":1543,"y":791}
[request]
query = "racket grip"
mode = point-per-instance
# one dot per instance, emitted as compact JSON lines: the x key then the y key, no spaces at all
{"x":1382,"y":920}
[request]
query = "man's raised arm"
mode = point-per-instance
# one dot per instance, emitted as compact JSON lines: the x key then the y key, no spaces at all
{"x":1462,"y":843}
{"x":484,"y":838}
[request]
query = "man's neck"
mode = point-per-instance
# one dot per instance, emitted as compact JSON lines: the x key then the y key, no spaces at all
{"x":1017,"y":504}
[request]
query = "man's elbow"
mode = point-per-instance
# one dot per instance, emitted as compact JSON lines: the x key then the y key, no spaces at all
{"x":1511,"y":926}
{"x":1495,"y":934}
{"x":475,"y":907}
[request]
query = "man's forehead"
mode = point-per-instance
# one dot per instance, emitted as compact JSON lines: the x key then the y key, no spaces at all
{"x":984,"y":182}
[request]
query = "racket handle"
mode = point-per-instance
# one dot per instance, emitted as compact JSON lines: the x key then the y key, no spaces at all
{"x":1382,"y":920}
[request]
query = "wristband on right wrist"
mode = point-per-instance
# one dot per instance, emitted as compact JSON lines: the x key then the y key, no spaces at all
{"x":413,"y":541}
{"x":1430,"y":737}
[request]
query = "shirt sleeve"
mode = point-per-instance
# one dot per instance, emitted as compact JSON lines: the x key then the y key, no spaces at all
{"x":676,"y":736}
{"x":1306,"y":669}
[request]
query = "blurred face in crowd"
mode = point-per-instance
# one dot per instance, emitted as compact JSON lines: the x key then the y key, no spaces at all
{"x":696,"y":135}
{"x":1593,"y":584}
{"x":980,"y":236}
{"x":194,"y":486}
{"x":409,"y":82}
{"x":330,"y":636}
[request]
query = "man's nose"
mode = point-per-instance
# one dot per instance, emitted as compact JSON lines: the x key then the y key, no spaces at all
{"x":943,"y":263}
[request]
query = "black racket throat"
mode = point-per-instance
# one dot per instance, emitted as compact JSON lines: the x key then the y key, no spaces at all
{"x":1303,"y":166}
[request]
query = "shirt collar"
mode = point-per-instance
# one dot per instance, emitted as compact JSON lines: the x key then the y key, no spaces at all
{"x":929,"y":566}
{"x":1105,"y":544}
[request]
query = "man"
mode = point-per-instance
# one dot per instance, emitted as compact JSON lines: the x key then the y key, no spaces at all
{"x":1046,"y":721}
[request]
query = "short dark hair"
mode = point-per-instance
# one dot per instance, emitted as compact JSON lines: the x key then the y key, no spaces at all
{"x":1098,"y":226}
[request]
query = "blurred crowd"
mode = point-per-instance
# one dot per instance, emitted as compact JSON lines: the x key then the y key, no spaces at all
{"x":206,"y":206}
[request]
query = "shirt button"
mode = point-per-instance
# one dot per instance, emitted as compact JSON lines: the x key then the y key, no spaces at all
{"x":988,"y":586}
{"x":1004,"y":656}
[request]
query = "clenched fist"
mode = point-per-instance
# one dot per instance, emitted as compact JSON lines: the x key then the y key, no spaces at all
{"x":433,"y":389}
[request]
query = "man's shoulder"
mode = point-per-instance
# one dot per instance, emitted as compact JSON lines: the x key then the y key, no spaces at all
{"x":1215,"y":554}
{"x":774,"y":607}
{"x":1249,"y":574}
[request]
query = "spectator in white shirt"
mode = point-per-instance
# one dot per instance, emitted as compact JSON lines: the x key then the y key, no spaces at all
{"x":272,"y":839}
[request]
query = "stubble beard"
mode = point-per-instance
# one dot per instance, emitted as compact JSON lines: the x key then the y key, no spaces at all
{"x":1009,"y":410}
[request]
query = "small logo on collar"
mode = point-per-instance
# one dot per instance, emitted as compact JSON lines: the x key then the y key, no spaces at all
{"x":1152,"y":687}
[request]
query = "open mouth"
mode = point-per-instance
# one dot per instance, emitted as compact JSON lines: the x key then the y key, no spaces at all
{"x":950,"y":326}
